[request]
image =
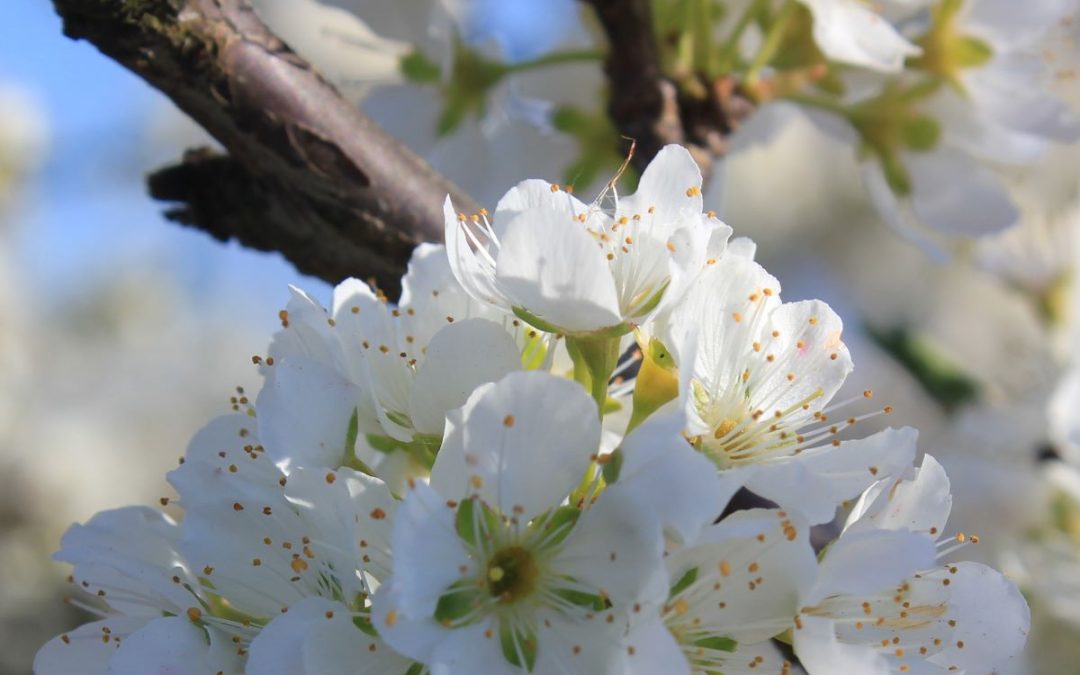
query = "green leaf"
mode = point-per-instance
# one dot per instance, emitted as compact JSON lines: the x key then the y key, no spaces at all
{"x":598,"y":147}
{"x":689,"y":577}
{"x":722,"y":644}
{"x":940,"y":377}
{"x":518,"y":645}
{"x":416,"y":67}
{"x":457,"y":602}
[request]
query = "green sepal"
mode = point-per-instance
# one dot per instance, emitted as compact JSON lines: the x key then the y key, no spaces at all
{"x":363,"y":622}
{"x":467,"y":90}
{"x":518,"y":645}
{"x":592,"y":601}
{"x":470,"y":513}
{"x":718,"y":643}
{"x":611,"y":468}
{"x":594,"y":360}
{"x":457,"y":602}
{"x":418,"y":68}
{"x":921,"y":133}
{"x":415,"y":669}
{"x":688,"y":577}
{"x":559,"y":521}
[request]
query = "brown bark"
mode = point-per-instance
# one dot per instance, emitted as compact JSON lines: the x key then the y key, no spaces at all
{"x":306,"y":173}
{"x":649,"y":107}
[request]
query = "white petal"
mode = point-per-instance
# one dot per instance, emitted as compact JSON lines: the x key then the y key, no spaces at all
{"x":468,"y":651}
{"x":524,"y":441}
{"x":655,"y":650}
{"x":550,"y":266}
{"x":864,"y":563}
{"x":822,"y":654}
{"x":348,"y":516}
{"x":176,"y":646}
{"x":336,"y":646}
{"x":472,"y":269}
{"x":278,"y":648}
{"x":920,"y":504}
{"x":427,"y":555}
{"x":992,"y":619}
{"x":758,"y":564}
{"x":206,"y":473}
{"x":534,"y":194}
{"x":811,"y":357}
{"x":304,"y":412}
{"x":430,"y":294}
{"x":134,"y":549}
{"x":850,"y":31}
{"x":667,"y":477}
{"x":1007,"y":24}
{"x":954,"y":194}
{"x":594,"y":647}
{"x":460,"y":357}
{"x":84,"y":650}
{"x":615,"y":547}
{"x":815,"y":481}
{"x":671,"y":183}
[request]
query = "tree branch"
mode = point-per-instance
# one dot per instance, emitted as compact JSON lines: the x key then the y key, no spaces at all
{"x":652,"y":109}
{"x":307,"y":173}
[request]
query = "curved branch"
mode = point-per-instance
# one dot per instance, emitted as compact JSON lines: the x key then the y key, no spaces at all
{"x":307,"y":173}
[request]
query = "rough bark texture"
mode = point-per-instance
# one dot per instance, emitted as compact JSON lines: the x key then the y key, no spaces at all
{"x":650,"y":108}
{"x":306,"y":173}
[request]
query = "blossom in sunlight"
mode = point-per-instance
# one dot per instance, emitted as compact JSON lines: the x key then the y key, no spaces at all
{"x":885,"y":602}
{"x":577,"y":268}
{"x":510,"y":471}
{"x":758,"y":376}
{"x":370,"y":381}
{"x":494,"y":570}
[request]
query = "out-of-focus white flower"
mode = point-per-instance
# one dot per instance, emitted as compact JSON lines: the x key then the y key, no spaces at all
{"x":23,"y":137}
{"x":570,"y":267}
{"x":337,"y":42}
{"x":852,"y":32}
{"x":993,"y":106}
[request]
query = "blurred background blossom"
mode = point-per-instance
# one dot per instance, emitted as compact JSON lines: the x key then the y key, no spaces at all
{"x":120,"y":335}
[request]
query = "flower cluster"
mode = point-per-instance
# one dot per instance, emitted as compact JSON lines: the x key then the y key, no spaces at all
{"x":528,"y":464}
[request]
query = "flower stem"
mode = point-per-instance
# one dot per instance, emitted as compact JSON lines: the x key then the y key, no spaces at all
{"x":773,"y":41}
{"x":555,"y":59}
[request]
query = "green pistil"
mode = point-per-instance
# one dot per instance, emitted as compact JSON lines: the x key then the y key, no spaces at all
{"x":512,"y":574}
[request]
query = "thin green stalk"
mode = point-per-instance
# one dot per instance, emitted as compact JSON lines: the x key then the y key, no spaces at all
{"x":730,"y":51}
{"x":772,"y":43}
{"x":555,"y":59}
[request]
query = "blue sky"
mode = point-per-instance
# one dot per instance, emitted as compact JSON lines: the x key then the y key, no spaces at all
{"x":88,"y":214}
